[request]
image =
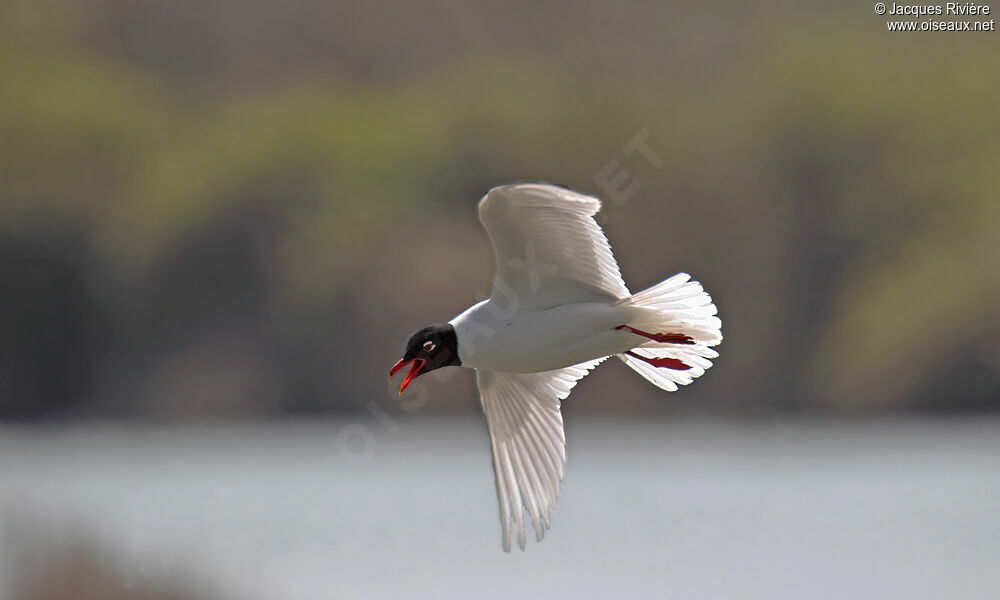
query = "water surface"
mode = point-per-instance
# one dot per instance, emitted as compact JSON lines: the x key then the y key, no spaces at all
{"x":692,"y":510}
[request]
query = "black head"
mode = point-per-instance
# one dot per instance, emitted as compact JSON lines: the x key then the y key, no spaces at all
{"x":431,"y":348}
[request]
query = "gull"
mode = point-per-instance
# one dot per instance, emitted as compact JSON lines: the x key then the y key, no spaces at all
{"x":559,"y":307}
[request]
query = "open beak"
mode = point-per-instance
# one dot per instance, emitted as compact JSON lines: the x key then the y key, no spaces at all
{"x":415,"y":365}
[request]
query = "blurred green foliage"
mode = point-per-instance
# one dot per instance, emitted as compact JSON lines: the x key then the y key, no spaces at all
{"x":256,"y":202}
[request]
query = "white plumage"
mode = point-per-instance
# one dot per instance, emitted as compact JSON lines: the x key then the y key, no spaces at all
{"x":559,"y":307}
{"x":554,"y":229}
{"x":529,"y":447}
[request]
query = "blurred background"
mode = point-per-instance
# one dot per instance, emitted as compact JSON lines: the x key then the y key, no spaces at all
{"x":220,"y":221}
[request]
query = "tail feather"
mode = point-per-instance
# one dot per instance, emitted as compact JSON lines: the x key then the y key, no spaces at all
{"x":683,"y":322}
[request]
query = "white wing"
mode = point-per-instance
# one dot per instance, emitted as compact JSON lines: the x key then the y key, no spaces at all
{"x":529,"y":447}
{"x":549,"y":249}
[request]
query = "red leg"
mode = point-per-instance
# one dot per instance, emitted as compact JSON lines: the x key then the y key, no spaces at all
{"x":664,"y":338}
{"x":669,"y":363}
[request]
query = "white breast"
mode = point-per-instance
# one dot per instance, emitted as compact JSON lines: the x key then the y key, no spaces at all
{"x":490,"y":337}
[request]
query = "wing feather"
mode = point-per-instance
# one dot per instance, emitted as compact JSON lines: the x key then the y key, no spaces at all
{"x":549,"y":248}
{"x":528,"y":444}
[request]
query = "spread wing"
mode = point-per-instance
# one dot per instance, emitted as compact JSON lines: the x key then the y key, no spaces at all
{"x":549,"y":249}
{"x":529,"y":447}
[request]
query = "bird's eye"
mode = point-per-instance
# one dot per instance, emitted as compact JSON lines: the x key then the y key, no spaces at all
{"x":428,"y":346}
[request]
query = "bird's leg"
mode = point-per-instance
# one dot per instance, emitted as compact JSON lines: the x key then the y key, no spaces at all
{"x":669,"y":363}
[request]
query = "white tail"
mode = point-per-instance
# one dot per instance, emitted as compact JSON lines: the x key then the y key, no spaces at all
{"x":675,"y":324}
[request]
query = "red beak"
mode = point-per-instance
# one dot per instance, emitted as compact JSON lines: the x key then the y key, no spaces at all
{"x":417,"y":364}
